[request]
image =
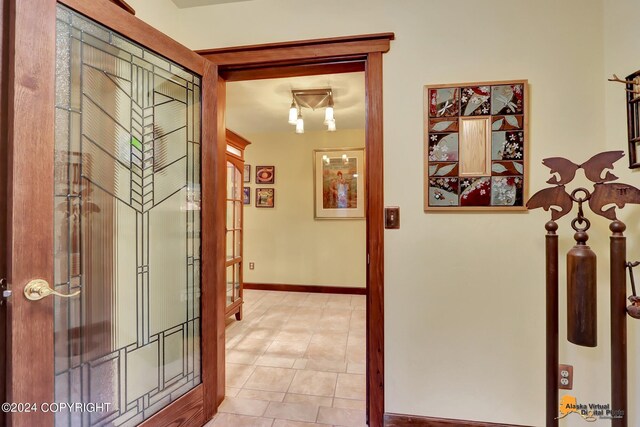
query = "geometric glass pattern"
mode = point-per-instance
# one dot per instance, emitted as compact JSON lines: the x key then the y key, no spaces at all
{"x":127,"y":226}
{"x":475,"y":145}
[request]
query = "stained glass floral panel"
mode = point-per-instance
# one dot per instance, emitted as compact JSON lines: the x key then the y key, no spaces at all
{"x":502,"y":183}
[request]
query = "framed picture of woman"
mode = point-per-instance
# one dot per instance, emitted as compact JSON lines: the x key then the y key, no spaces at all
{"x":339,"y":183}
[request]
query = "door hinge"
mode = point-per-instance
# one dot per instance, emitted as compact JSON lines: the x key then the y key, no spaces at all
{"x":6,"y":293}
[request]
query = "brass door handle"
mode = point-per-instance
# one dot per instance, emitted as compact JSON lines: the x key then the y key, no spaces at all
{"x":38,"y":289}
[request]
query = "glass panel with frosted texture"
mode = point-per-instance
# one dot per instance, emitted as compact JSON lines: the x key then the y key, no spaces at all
{"x":236,"y":280}
{"x":230,"y":297}
{"x":238,"y":215}
{"x":237,"y":243}
{"x":238,"y":184}
{"x":229,"y":245}
{"x":126,"y":226}
{"x":230,"y":180}
{"x":230,"y":215}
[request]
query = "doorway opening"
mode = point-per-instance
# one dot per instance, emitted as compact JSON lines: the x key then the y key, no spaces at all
{"x":299,"y":352}
{"x":312,"y":57}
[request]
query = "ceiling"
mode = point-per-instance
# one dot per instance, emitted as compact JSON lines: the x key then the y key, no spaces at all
{"x":263,"y":105}
{"x":182,"y":4}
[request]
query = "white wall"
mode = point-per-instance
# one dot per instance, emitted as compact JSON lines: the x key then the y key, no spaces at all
{"x":286,"y":243}
{"x":161,"y":14}
{"x":464,"y":292}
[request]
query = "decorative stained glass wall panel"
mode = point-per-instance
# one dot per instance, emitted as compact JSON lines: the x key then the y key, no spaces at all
{"x":475,"y":145}
{"x":127,"y":226}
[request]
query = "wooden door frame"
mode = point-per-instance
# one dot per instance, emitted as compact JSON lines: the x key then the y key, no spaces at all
{"x":30,"y":157}
{"x":4,"y":167}
{"x":328,"y":56}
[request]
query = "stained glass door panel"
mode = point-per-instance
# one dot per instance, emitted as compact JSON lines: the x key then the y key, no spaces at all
{"x":127,"y":226}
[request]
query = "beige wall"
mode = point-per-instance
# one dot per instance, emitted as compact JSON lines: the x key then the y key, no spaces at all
{"x":464,"y":293}
{"x":286,"y":243}
{"x":621,"y":57}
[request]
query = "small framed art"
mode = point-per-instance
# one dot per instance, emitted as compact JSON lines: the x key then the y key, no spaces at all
{"x":246,"y":195}
{"x":339,"y":183}
{"x":265,"y":174}
{"x":265,"y":197}
{"x":247,"y":173}
{"x":475,"y":146}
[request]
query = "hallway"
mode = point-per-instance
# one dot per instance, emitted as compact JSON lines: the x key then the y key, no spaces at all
{"x":296,"y":359}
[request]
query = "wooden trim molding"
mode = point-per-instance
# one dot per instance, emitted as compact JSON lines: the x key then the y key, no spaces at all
{"x":4,"y":178}
{"x":321,"y":289}
{"x":402,"y":420}
{"x":212,"y":246}
{"x":186,"y":411}
{"x":30,"y":99}
{"x":236,"y":141}
{"x":220,"y":213}
{"x":300,"y":52}
{"x":374,"y":152}
{"x":276,"y":72}
{"x":295,"y":58}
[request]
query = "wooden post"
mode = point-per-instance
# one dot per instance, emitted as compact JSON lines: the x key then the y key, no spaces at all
{"x":618,"y":255}
{"x":551,"y":247}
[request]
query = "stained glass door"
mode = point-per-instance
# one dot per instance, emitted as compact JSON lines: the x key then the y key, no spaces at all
{"x":114,"y":303}
{"x":127,"y":221}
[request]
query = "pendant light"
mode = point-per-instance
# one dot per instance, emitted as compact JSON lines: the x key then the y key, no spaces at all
{"x":293,"y":113}
{"x":328,"y":112}
{"x":300,"y":124}
{"x":331,"y":125}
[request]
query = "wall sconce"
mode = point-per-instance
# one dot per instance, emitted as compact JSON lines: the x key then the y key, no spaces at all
{"x":313,"y":99}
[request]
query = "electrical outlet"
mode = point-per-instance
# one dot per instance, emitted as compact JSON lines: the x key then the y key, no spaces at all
{"x":252,"y":265}
{"x":565,"y":377}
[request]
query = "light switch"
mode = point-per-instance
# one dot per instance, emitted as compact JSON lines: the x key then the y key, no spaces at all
{"x":392,"y":217}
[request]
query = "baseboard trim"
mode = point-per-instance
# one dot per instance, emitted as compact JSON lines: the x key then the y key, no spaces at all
{"x":305,"y":288}
{"x":402,"y":420}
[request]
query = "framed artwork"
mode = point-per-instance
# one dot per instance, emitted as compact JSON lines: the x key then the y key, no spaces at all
{"x":265,"y":197}
{"x":475,"y":146}
{"x":265,"y":174}
{"x":339,"y":183}
{"x":247,"y":173}
{"x":246,"y":195}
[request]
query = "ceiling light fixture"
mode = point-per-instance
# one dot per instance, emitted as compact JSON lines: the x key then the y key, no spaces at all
{"x":313,"y":99}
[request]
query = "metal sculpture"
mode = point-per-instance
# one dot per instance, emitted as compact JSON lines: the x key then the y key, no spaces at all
{"x":581,"y":270}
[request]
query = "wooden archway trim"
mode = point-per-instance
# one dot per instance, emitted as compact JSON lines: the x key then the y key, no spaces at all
{"x":300,"y":52}
{"x":123,"y":4}
{"x":320,"y":56}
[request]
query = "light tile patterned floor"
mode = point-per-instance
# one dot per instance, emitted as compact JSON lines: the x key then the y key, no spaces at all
{"x":295,"y":360}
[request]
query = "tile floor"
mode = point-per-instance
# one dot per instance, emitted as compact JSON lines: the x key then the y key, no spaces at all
{"x":295,"y":360}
